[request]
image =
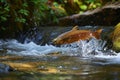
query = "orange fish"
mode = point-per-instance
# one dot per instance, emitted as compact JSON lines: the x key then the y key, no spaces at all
{"x":76,"y":35}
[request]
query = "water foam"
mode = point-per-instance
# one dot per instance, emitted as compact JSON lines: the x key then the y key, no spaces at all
{"x":86,"y":48}
{"x":14,"y":47}
{"x":83,"y":48}
{"x":92,"y":48}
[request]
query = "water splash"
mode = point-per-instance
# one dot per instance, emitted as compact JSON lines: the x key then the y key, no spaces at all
{"x":85,"y":48}
{"x":14,"y":47}
{"x":92,"y":48}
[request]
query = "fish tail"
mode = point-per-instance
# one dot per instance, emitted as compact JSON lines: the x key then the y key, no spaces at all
{"x":97,"y":33}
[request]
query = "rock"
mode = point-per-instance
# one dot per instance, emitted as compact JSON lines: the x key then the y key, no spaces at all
{"x":5,"y":68}
{"x":115,"y":36}
{"x":107,"y":15}
{"x":76,"y":35}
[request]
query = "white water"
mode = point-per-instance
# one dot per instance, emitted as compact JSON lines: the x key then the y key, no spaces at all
{"x":92,"y":49}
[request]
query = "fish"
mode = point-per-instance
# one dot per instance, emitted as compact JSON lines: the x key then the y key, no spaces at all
{"x":75,"y":35}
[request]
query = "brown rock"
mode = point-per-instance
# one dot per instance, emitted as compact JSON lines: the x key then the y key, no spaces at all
{"x":107,"y":15}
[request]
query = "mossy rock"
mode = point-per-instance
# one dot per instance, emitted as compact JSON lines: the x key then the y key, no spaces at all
{"x":116,"y":38}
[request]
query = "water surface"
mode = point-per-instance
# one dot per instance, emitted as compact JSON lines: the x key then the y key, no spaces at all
{"x":82,"y":60}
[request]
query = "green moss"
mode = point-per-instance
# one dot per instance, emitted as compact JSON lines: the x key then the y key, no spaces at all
{"x":116,"y":44}
{"x":116,"y":38}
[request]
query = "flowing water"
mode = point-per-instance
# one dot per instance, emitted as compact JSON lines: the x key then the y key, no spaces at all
{"x":82,"y":60}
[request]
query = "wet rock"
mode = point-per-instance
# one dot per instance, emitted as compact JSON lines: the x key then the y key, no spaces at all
{"x":115,"y":36}
{"x":41,"y":35}
{"x":107,"y":15}
{"x":5,"y":68}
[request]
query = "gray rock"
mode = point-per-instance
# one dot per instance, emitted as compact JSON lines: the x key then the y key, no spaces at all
{"x":5,"y":68}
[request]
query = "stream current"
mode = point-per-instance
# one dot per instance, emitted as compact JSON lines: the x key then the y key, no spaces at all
{"x":93,"y":48}
{"x":82,"y":60}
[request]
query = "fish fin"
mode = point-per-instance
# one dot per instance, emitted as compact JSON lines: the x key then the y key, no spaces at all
{"x":99,"y":31}
{"x":75,"y":28}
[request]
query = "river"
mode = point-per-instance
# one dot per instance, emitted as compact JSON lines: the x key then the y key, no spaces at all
{"x":82,"y":60}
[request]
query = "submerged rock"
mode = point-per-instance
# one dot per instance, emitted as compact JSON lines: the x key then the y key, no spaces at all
{"x":5,"y":68}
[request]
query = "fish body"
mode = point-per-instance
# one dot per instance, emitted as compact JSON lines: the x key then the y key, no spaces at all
{"x":76,"y":35}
